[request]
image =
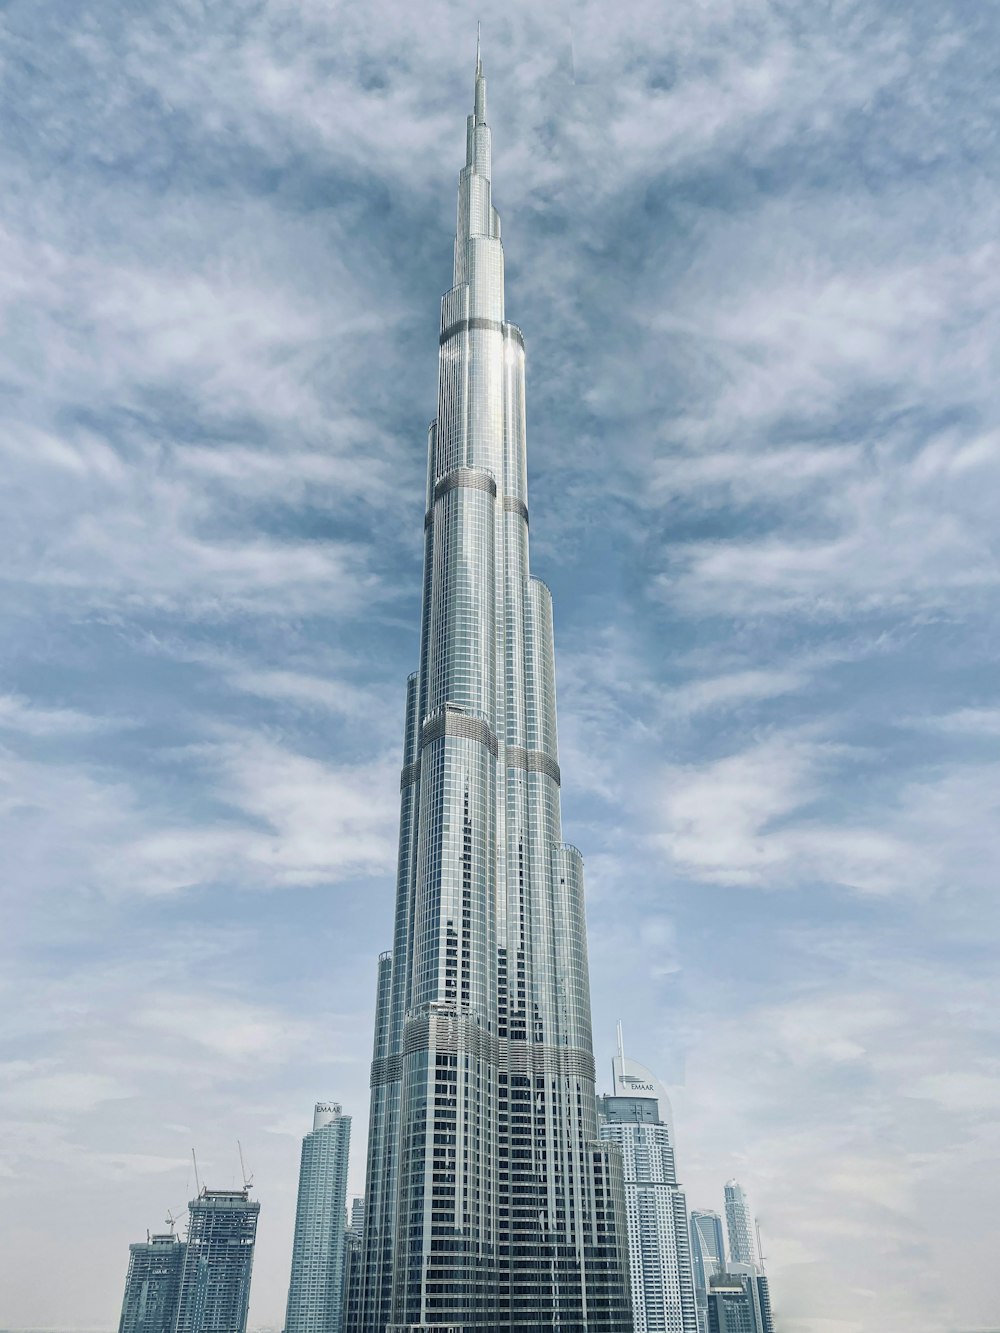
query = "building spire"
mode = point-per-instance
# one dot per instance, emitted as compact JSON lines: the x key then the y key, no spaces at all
{"x":480,"y":114}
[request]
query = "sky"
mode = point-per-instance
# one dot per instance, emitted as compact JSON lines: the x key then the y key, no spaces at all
{"x":753,"y":248}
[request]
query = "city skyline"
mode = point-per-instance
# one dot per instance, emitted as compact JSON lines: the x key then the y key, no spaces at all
{"x":752,"y":247}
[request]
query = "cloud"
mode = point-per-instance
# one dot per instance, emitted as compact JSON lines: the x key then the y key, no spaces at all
{"x":754,"y":254}
{"x":296,"y":820}
{"x":20,"y":715}
{"x":760,"y":817}
{"x":749,"y":818}
{"x":225,"y":1027}
{"x":58,"y":1094}
{"x":281,"y":819}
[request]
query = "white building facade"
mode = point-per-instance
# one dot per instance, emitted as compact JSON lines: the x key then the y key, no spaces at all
{"x":637,"y":1118}
{"x":740,"y":1226}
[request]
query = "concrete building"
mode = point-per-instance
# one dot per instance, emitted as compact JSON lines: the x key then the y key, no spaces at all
{"x":218,"y":1262}
{"x":152,"y":1285}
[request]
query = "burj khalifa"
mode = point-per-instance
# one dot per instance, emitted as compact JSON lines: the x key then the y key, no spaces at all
{"x":491,"y":1202}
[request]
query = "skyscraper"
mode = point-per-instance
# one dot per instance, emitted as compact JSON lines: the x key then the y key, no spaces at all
{"x":740,"y":1226}
{"x":316,"y":1285}
{"x":738,"y":1301}
{"x":637,"y":1118}
{"x":353,"y":1238}
{"x":490,"y":1200}
{"x":708,"y":1257}
{"x":152,"y":1285}
{"x":730,"y":1304}
{"x":218,"y":1260}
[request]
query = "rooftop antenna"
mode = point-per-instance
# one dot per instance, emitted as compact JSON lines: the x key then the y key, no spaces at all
{"x":197,"y":1179}
{"x":479,"y":58}
{"x":247,"y":1180}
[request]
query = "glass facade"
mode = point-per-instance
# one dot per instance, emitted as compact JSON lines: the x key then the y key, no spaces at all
{"x":739,"y":1301}
{"x":490,"y":1202}
{"x":708,"y":1257}
{"x":316,"y":1285}
{"x":740,"y":1226}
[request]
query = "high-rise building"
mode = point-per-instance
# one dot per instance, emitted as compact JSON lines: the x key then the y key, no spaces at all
{"x":738,"y":1301}
{"x":352,"y":1263}
{"x":490,"y":1200}
{"x":637,"y":1118}
{"x":218,"y":1261}
{"x":764,"y":1312}
{"x":152,"y":1285}
{"x":708,"y":1257}
{"x":730,"y":1305}
{"x":740,"y":1226}
{"x":316,"y":1285}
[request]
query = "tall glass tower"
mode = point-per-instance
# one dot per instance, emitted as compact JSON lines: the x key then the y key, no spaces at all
{"x":740,"y":1225}
{"x":708,"y":1257}
{"x":316,"y":1285}
{"x":490,"y":1202}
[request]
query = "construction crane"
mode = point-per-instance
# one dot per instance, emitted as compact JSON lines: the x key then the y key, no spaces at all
{"x":247,"y":1180}
{"x":171,"y":1220}
{"x":760,"y":1248}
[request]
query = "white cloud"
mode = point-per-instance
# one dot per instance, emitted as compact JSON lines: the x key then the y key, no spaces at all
{"x":62,"y":1095}
{"x":21,"y":715}
{"x":228,"y":1027}
{"x":754,"y":252}
{"x":299,"y":821}
{"x":758,"y":818}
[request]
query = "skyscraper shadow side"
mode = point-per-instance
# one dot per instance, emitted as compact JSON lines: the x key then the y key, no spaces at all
{"x":491,"y":1202}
